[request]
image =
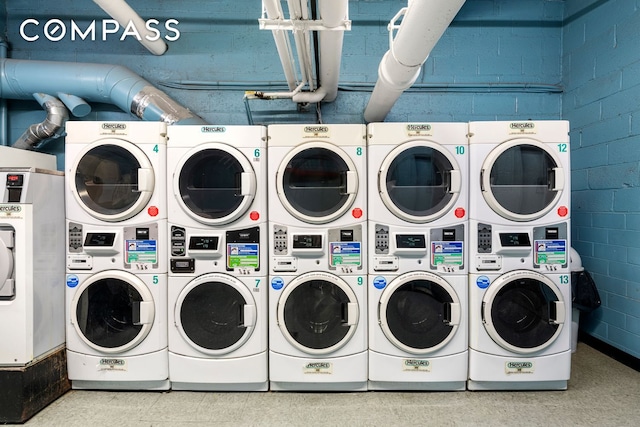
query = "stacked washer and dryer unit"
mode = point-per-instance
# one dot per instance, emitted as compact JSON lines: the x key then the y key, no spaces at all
{"x":116,"y":282}
{"x":217,"y":298}
{"x":519,"y":281}
{"x":317,"y":257}
{"x":418,"y":182}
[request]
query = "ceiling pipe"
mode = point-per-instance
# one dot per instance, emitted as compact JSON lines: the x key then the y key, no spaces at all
{"x":125,"y":15}
{"x":274,"y":11}
{"x":423,"y":23}
{"x":51,"y":127}
{"x":112,"y":84}
{"x":332,"y":13}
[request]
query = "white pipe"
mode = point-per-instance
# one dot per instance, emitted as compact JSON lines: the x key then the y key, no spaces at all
{"x":274,"y":11}
{"x":423,"y":24}
{"x":302,"y":41}
{"x":124,"y":14}
{"x":333,"y":13}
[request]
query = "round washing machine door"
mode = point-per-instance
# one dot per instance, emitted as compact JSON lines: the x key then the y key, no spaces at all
{"x":215,"y":314}
{"x":523,"y":311}
{"x":419,"y":181}
{"x":318,"y":313}
{"x":522,"y":180}
{"x":112,"y":311}
{"x":7,"y":285}
{"x":113,"y":180}
{"x":317,"y":182}
{"x":214,"y":183}
{"x":419,"y":312}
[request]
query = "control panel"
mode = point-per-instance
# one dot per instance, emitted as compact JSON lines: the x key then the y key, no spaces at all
{"x":484,"y":238}
{"x":381,"y":242}
{"x":447,"y":249}
{"x":141,"y":247}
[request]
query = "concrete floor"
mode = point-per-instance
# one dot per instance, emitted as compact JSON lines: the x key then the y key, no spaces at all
{"x":602,"y":392}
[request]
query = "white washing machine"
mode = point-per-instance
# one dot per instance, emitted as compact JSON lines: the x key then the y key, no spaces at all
{"x":519,"y":331}
{"x":31,"y":264}
{"x":115,"y":172}
{"x":217,"y":300}
{"x":418,"y":203}
{"x":116,"y":306}
{"x":317,"y":269}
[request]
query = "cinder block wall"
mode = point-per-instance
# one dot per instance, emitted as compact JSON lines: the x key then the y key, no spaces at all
{"x":601,"y":75}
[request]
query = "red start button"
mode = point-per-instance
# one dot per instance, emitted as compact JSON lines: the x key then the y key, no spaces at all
{"x":563,"y":211}
{"x":153,"y":211}
{"x":254,"y":215}
{"x":357,"y":213}
{"x":460,"y":212}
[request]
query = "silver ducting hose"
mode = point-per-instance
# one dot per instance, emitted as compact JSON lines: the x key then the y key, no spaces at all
{"x":51,"y":127}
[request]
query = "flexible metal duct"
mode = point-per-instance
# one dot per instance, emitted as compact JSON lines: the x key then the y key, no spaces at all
{"x":112,"y":84}
{"x":49,"y":128}
{"x":423,"y":24}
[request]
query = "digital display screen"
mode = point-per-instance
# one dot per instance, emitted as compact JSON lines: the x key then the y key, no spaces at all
{"x":100,"y":239}
{"x":203,"y":243}
{"x":514,"y":239}
{"x":411,"y":241}
{"x":307,"y":241}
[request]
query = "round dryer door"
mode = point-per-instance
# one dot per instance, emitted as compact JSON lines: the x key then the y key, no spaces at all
{"x":523,"y":311}
{"x":114,"y":180}
{"x":318,"y":313}
{"x":522,"y":180}
{"x":214,"y":184}
{"x":419,"y":312}
{"x":113,"y":311}
{"x":7,"y":285}
{"x":215,"y":314}
{"x":317,"y":182}
{"x":419,"y":181}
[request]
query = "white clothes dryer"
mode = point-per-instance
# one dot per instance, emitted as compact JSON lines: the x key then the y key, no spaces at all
{"x":520,"y":172}
{"x":218,"y":255}
{"x":317,"y":332}
{"x":317,"y":175}
{"x":417,"y":173}
{"x":31,"y":264}
{"x":519,"y":331}
{"x":115,"y":172}
{"x":218,"y":333}
{"x":117,"y":331}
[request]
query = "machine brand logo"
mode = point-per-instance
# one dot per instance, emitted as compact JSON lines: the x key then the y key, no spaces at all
{"x":519,"y":365}
{"x":413,"y":363}
{"x":213,"y":129}
{"x":418,"y":128}
{"x":112,"y":362}
{"x":522,"y":125}
{"x":316,"y":129}
{"x":56,"y":30}
{"x":114,"y":126}
{"x":318,"y":365}
{"x":10,"y":209}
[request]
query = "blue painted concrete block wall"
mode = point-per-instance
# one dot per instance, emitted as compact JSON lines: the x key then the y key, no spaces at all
{"x":601,"y":76}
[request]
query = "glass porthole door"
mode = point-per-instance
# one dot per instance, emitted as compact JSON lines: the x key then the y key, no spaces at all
{"x":318,"y":313}
{"x":419,"y":181}
{"x":523,"y":311}
{"x":215,"y":184}
{"x":522,"y":180}
{"x":113,"y":180}
{"x":113,"y":311}
{"x":317,"y":182}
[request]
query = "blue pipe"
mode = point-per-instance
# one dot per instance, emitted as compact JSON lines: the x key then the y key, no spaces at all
{"x":76,"y":105}
{"x":112,"y":84}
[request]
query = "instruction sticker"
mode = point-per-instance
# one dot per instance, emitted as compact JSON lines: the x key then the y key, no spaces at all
{"x":141,"y":251}
{"x":447,"y":253}
{"x":345,"y":253}
{"x":550,"y":252}
{"x":243,"y":255}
